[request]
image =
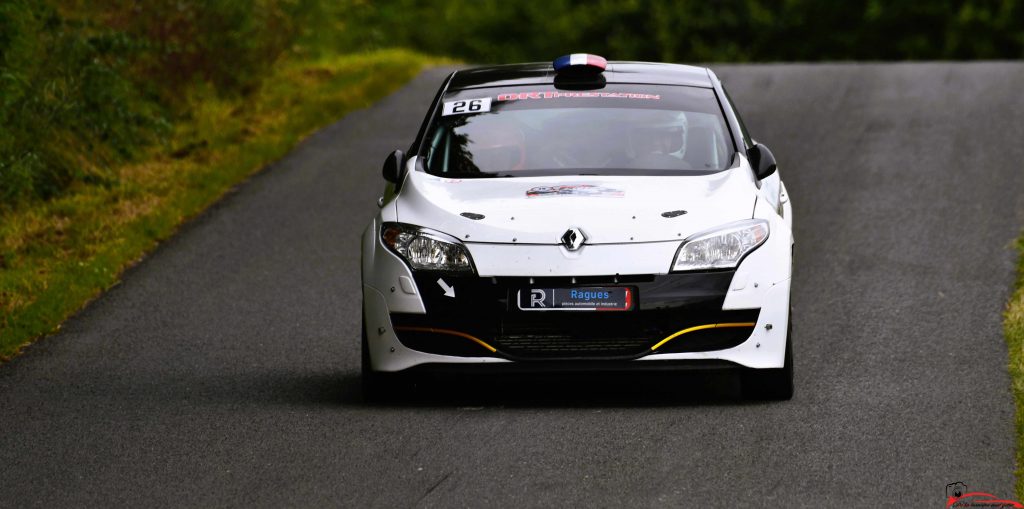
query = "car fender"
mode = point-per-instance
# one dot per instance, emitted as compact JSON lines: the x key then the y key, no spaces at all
{"x":765,"y":267}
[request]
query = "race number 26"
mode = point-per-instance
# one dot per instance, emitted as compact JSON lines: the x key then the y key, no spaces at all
{"x":464,"y":106}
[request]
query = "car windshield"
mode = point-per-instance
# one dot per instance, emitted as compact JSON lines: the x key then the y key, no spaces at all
{"x":540,"y":130}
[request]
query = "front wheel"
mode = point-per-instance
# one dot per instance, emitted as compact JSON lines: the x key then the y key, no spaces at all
{"x":772,"y":384}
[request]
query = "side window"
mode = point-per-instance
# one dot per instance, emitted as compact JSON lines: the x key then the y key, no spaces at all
{"x":743,"y":127}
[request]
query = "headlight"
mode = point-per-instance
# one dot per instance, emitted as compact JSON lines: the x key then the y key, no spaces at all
{"x":425,"y":249}
{"x":722,"y":248}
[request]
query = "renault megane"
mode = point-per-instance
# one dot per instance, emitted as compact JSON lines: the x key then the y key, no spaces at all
{"x":580,"y":215}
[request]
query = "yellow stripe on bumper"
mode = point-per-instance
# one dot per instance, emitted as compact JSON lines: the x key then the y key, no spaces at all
{"x":448,"y":332}
{"x":700,"y":327}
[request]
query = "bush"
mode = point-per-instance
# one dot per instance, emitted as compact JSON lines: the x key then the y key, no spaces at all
{"x":229,"y":43}
{"x":85,"y":85}
{"x":67,"y":109}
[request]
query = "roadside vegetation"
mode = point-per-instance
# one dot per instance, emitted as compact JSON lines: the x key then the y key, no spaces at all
{"x":121,"y":121}
{"x":1013,"y":324}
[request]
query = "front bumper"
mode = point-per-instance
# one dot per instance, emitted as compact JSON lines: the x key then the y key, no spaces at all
{"x":679,"y":317}
{"x":482,"y":319}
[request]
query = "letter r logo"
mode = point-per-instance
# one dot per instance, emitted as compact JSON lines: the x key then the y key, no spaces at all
{"x":537,"y":297}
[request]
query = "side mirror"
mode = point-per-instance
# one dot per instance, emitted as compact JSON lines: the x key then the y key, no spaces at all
{"x":393,"y":166}
{"x":761,"y":160}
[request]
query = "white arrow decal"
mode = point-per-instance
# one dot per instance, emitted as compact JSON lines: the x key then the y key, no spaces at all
{"x":449,"y":291}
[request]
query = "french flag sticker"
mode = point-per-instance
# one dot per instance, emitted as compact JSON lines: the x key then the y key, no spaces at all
{"x":580,"y":60}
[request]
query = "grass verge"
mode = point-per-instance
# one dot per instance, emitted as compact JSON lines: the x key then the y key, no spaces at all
{"x":1013,"y":325}
{"x":57,"y":255}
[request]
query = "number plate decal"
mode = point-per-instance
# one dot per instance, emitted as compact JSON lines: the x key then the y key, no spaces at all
{"x":615,"y":298}
{"x":464,"y":106}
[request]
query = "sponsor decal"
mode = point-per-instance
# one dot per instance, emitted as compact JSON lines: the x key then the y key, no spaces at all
{"x":521,"y":96}
{"x":588,"y":295}
{"x":957,"y":495}
{"x":617,"y":298}
{"x":574,"y":190}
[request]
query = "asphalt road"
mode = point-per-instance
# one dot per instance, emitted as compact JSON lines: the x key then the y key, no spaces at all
{"x":224,"y":370}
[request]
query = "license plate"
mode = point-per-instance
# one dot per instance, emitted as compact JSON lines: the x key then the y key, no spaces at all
{"x":592,"y":298}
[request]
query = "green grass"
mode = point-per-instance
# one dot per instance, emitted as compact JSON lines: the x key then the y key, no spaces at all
{"x":1013,"y":325}
{"x":58,"y":254}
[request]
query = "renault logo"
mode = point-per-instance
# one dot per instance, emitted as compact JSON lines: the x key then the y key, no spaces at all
{"x":573,"y":239}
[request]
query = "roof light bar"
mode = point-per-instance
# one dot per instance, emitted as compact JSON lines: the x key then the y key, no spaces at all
{"x":580,"y":60}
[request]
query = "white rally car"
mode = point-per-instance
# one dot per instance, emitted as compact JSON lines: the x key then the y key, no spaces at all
{"x":580,"y":215}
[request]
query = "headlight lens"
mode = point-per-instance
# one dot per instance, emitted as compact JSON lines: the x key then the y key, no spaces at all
{"x":722,"y":248}
{"x":425,"y":249}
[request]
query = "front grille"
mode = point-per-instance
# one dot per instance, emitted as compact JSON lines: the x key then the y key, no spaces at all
{"x":573,"y":334}
{"x":565,"y":346}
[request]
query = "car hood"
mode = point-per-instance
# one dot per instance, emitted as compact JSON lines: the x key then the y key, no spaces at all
{"x":608,"y":209}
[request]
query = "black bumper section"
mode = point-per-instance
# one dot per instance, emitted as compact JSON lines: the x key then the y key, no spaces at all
{"x":561,"y":367}
{"x":483,"y":320}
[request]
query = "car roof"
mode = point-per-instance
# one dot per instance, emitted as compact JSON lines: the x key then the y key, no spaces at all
{"x":538,"y":73}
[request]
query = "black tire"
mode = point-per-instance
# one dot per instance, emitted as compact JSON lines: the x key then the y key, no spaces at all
{"x":772,"y":384}
{"x":377,"y":387}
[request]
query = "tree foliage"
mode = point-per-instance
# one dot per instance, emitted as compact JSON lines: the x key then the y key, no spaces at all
{"x":694,"y":30}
